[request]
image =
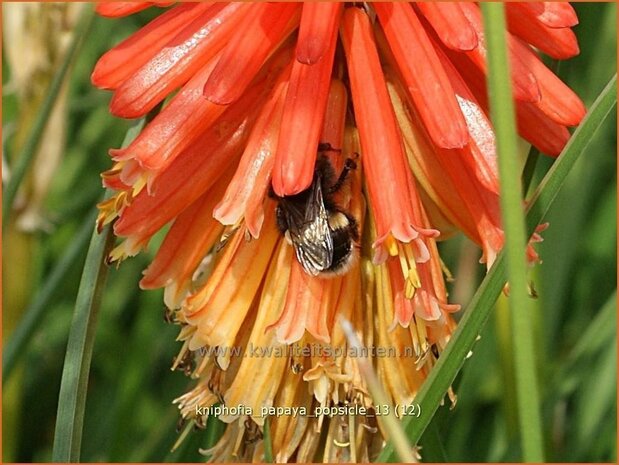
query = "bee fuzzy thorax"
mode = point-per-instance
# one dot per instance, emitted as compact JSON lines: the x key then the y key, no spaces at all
{"x":338,"y":221}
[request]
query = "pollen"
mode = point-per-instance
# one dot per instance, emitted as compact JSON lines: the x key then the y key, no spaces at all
{"x":406,"y":256}
{"x":111,"y":208}
{"x":422,"y":335}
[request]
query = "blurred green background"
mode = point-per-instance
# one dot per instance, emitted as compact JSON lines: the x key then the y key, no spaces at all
{"x":129,"y":415}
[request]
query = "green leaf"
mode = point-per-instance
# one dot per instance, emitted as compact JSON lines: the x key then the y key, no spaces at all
{"x":462,"y":341}
{"x":74,"y":384}
{"x":598,"y":334}
{"x":72,"y":399}
{"x":432,"y":447}
{"x":529,"y":169}
{"x":512,"y":217}
{"x":33,"y":315}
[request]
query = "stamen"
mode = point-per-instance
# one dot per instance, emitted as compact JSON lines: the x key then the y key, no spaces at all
{"x":392,"y":245}
{"x":452,"y":397}
{"x":423,"y":334}
{"x":416,"y":345}
{"x":182,"y":436}
{"x":403,"y":264}
{"x":180,"y":356}
{"x":139,"y":184}
{"x":239,"y":439}
{"x":409,"y":269}
{"x":448,"y":276}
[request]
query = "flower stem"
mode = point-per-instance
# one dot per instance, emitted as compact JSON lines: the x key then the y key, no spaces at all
{"x":25,"y":158}
{"x":75,"y":372}
{"x":502,"y":111}
{"x":475,"y":316}
{"x":72,"y":399}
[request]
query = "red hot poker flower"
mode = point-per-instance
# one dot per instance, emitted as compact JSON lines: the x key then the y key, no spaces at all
{"x":265,"y":91}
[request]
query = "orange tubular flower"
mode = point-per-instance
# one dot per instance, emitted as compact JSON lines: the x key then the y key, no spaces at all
{"x":280,"y":122}
{"x":186,"y":53}
{"x":249,"y":186}
{"x":304,"y":108}
{"x":394,"y":208}
{"x":428,"y":85}
{"x":265,"y":27}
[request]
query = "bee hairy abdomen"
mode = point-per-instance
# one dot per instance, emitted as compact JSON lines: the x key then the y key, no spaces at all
{"x":345,"y":251}
{"x":323,"y":235}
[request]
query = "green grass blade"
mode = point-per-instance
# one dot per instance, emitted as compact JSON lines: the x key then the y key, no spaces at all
{"x":25,"y":158}
{"x":598,"y":334}
{"x":268,"y":444}
{"x":33,"y":315}
{"x":74,"y":384}
{"x":432,"y":447}
{"x":215,"y":428}
{"x":72,"y":399}
{"x":529,"y":169}
{"x":512,"y":215}
{"x":453,"y":357}
{"x":600,"y":331}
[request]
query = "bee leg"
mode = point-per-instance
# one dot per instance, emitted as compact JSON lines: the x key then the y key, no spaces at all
{"x":349,"y":165}
{"x":327,"y":147}
{"x":271,"y":193}
{"x":352,"y":226}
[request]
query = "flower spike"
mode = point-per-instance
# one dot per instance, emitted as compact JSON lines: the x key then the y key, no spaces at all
{"x":192,"y":235}
{"x":245,"y":194}
{"x":525,"y":86}
{"x":558,"y":101}
{"x":219,"y":308}
{"x":188,"y":115}
{"x":254,"y":93}
{"x":194,"y":172}
{"x":552,"y":14}
{"x":119,"y":9}
{"x":533,"y":124}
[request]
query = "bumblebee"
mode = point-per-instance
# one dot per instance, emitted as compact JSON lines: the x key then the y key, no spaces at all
{"x":324,"y":236}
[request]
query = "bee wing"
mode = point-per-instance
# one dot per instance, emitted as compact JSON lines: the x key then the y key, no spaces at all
{"x":311,"y":239}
